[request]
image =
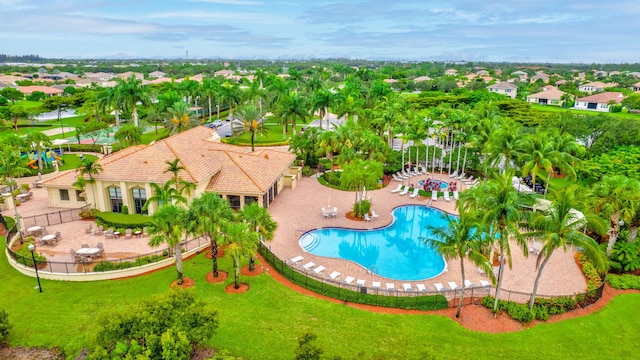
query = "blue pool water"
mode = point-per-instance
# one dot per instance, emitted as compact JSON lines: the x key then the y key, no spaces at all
{"x":395,"y":251}
{"x":443,"y":184}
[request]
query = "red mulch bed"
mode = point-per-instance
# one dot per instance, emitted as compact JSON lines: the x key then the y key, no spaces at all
{"x":257,"y":270}
{"x":230,"y":289}
{"x":473,"y":317}
{"x":220,"y":254}
{"x":186,"y":283}
{"x":222,"y":276}
{"x":351,"y":216}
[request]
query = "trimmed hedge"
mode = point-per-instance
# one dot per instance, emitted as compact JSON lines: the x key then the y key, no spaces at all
{"x":590,"y":273}
{"x":542,"y":308}
{"x":122,"y":221}
{"x":623,"y":282}
{"x":108,"y":265}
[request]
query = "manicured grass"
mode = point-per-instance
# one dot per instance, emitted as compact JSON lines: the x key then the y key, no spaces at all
{"x":624,"y":114}
{"x":273,"y":136}
{"x":73,"y":161}
{"x":264,"y":322}
{"x":27,"y":104}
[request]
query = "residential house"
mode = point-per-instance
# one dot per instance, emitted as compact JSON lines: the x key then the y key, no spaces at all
{"x":223,"y":73}
{"x":595,"y":86}
{"x":99,"y":76}
{"x":636,"y":86}
{"x":10,"y":79}
{"x":233,"y":172}
{"x":157,"y":74}
{"x":482,"y":73}
{"x":451,"y":72}
{"x":422,"y":78}
{"x":504,"y":88}
{"x":128,"y":74}
{"x":540,"y":76}
{"x":598,"y":102}
{"x":548,"y":96}
{"x":47,"y":90}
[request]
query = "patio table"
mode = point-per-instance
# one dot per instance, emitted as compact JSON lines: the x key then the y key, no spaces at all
{"x":48,"y":238}
{"x":88,"y":251}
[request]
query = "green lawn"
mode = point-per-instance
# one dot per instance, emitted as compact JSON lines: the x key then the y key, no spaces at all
{"x":273,"y":135}
{"x":72,"y":161}
{"x":264,"y":322}
{"x":624,"y":114}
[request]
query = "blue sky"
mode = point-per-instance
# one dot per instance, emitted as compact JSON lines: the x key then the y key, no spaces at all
{"x":536,"y":31}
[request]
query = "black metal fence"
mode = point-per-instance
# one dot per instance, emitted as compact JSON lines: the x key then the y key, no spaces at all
{"x":86,"y":266}
{"x":54,"y":218}
{"x":412,"y":299}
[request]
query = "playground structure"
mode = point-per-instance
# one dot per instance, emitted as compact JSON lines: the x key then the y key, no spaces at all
{"x":47,"y":157}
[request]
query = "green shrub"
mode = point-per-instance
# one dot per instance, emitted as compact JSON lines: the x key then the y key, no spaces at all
{"x":5,"y":326}
{"x":88,"y":213}
{"x":520,"y":312}
{"x":110,"y":266}
{"x":116,"y":220}
{"x":623,"y":282}
{"x":333,"y":178}
{"x":125,"y":210}
{"x":24,"y":187}
{"x":590,"y":273}
{"x":542,"y":313}
{"x":625,"y":256}
{"x":24,"y":255}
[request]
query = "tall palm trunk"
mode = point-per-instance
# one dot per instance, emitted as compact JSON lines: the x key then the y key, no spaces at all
{"x":209,"y":108}
{"x":614,"y":232}
{"x":134,"y":114}
{"x":458,"y":161}
{"x":178,"y":254}
{"x":236,"y":265}
{"x":214,"y":256}
{"x":500,"y":276}
{"x":535,"y":284}
{"x":462,"y":290}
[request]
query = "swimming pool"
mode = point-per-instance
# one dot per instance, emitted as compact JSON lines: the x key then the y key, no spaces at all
{"x":395,"y":251}
{"x":443,"y":184}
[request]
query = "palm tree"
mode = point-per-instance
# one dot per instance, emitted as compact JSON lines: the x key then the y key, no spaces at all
{"x":39,"y":141}
{"x":321,"y":101}
{"x":130,"y":134}
{"x":249,"y":119}
{"x":560,"y":225}
{"x":130,"y":92}
{"x":89,"y":168}
{"x":11,"y":167}
{"x":107,"y":99}
{"x":502,"y":147}
{"x":181,"y":118}
{"x":538,"y":154}
{"x":182,"y":186}
{"x":162,"y":195}
{"x":168,"y":226}
{"x":617,"y":198}
{"x":292,"y":107}
{"x":232,"y":95}
{"x":260,"y":220}
{"x":210,"y":89}
{"x":502,"y":208}
{"x":208,"y":215}
{"x":242,"y":243}
{"x":459,"y":240}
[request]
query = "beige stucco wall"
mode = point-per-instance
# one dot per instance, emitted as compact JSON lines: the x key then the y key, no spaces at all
{"x":55,"y":201}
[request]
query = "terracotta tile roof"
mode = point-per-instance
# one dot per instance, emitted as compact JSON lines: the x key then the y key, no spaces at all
{"x":45,"y":89}
{"x":551,"y":94}
{"x":225,"y":168}
{"x":64,"y":179}
{"x":603,"y":98}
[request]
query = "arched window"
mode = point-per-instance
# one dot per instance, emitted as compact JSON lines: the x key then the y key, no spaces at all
{"x":139,"y":196}
{"x":115,"y":197}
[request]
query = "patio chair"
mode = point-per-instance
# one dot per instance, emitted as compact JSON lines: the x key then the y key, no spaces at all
{"x":460,"y":177}
{"x":334,"y":213}
{"x":58,"y":236}
{"x":398,"y":189}
{"x":128,"y":233}
{"x":438,"y":287}
{"x":108,"y":233}
{"x":99,"y":230}
{"x":434,"y":195}
{"x":452,"y":285}
{"x":375,"y":284}
{"x":467,"y":284}
{"x":29,"y":195}
{"x":407,"y":287}
{"x":334,"y":275}
{"x":396,"y":178}
{"x":77,"y":258}
{"x":319,"y":269}
{"x":89,"y":229}
{"x":296,"y":259}
{"x":421,"y":287}
{"x":308,"y":265}
{"x":374,"y":215}
{"x":360,"y":282}
{"x":367,"y":218}
{"x":404,"y":192}
{"x":391,"y":287}
{"x":84,"y":246}
{"x":415,"y":193}
{"x":349,"y":279}
{"x":446,"y":196}
{"x":456,"y":195}
{"x":101,"y":247}
{"x":325,"y":213}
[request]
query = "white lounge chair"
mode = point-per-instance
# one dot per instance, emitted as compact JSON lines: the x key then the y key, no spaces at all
{"x":434,"y":195}
{"x":424,"y":170}
{"x":407,"y":174}
{"x":452,"y":285}
{"x":454,"y":174}
{"x":446,"y":195}
{"x":360,"y":282}
{"x":319,"y":269}
{"x":484,"y":283}
{"x":398,"y":189}
{"x":334,"y":275}
{"x":414,"y":193}
{"x":407,"y":287}
{"x":374,"y":215}
{"x":456,"y":195}
{"x":396,"y":178}
{"x":367,"y":218}
{"x":348,"y":280}
{"x":296,"y":259}
{"x":438,"y":287}
{"x":460,"y":177}
{"x":308,"y":265}
{"x":472,"y":183}
{"x":375,"y":284}
{"x":391,"y":287}
{"x":404,"y":192}
{"x":400,"y":175}
{"x":421,"y":287}
{"x":467,"y":284}
{"x":469,"y":179}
